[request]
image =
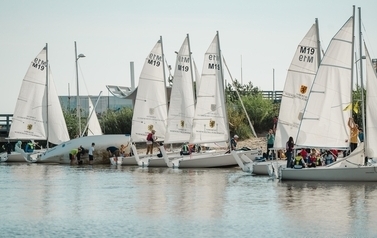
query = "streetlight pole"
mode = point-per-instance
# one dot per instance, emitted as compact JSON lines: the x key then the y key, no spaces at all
{"x":77,"y":57}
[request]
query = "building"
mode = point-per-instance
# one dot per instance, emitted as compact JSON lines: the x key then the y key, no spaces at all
{"x":104,"y":103}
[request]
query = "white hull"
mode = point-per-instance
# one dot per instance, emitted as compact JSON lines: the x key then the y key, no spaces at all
{"x":264,"y":168}
{"x":358,"y":174}
{"x":152,"y":161}
{"x":208,"y":160}
{"x":116,"y":162}
{"x":60,"y":153}
{"x":129,"y":160}
{"x":20,"y":156}
{"x":13,"y":157}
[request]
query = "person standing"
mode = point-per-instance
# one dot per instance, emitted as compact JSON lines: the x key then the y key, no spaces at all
{"x":354,"y":133}
{"x":361,"y":135}
{"x":275,"y":121}
{"x":91,"y":150}
{"x":289,"y":151}
{"x":151,"y":138}
{"x":270,"y":143}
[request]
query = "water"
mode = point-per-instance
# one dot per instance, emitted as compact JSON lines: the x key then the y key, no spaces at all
{"x":39,"y":200}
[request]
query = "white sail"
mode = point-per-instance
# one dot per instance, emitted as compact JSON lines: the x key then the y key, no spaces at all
{"x":94,"y":128}
{"x":58,"y":132}
{"x":30,"y":119}
{"x":299,"y":80}
{"x":210,"y":114}
{"x":324,"y":122}
{"x":197,"y":76}
{"x":150,"y":110}
{"x":182,"y":104}
{"x":371,"y":108}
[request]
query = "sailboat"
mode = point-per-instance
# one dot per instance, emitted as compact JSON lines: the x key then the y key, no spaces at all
{"x":150,"y":108}
{"x":298,"y":82}
{"x":38,"y":114}
{"x":60,"y":153}
{"x":209,"y":123}
{"x":337,"y":65}
{"x":182,"y":101}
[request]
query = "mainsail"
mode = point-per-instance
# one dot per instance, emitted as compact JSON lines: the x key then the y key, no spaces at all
{"x":324,"y":122}
{"x":33,"y":119}
{"x":210,"y":123}
{"x":150,"y":110}
{"x":182,"y":103}
{"x":371,"y":108}
{"x":299,"y":80}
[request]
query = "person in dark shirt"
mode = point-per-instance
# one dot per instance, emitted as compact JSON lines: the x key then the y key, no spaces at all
{"x":233,"y":142}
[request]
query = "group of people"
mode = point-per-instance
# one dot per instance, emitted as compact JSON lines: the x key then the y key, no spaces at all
{"x":117,"y":152}
{"x":76,"y":153}
{"x":307,"y":158}
{"x":315,"y":158}
{"x":113,"y":151}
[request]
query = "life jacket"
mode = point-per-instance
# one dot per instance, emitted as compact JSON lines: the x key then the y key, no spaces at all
{"x":298,"y":160}
{"x":319,"y":161}
{"x":150,"y":137}
{"x":329,"y":159}
{"x":185,"y":150}
{"x":29,"y":147}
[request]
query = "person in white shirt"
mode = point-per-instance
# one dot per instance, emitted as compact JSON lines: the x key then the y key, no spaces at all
{"x":91,"y":150}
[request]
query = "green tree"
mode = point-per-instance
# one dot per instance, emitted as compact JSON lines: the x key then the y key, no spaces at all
{"x":71,"y":121}
{"x":117,"y":122}
{"x":357,"y":104}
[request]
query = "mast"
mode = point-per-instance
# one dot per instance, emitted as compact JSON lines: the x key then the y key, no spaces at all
{"x":192,"y":71}
{"x":78,"y":92}
{"x":222,"y":87}
{"x":361,"y":81}
{"x":163,"y":68}
{"x":46,"y":90}
{"x":318,"y":43}
{"x":352,"y":59}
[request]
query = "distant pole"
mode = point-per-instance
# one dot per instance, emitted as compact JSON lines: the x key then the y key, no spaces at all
{"x":357,"y":72}
{"x":273,"y":85}
{"x":132,"y":70}
{"x":77,"y":57}
{"x":241,"y":72}
{"x":69,"y":98}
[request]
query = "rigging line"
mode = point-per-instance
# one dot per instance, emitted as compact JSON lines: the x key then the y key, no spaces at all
{"x":370,"y":46}
{"x":238,"y":94}
{"x":84,"y":81}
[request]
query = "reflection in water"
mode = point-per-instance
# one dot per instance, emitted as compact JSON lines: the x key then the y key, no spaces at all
{"x":347,"y":208}
{"x":117,"y":201}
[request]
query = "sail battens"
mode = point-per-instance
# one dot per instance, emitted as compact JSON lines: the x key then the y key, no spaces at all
{"x":298,"y":83}
{"x":324,"y":122}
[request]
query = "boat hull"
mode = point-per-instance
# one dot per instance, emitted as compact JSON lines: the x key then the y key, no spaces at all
{"x":60,"y":153}
{"x":263,"y":168}
{"x":15,"y":157}
{"x":208,"y":160}
{"x":358,"y":174}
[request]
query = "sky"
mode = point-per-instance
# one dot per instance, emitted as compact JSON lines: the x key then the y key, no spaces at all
{"x":258,"y":38}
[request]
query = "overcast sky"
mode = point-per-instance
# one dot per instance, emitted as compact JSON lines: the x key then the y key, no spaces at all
{"x":113,"y":33}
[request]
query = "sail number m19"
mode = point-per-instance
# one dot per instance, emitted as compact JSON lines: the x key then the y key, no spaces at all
{"x":39,"y":64}
{"x":306,"y":54}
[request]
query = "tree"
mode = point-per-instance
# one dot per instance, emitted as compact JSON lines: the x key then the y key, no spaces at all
{"x":117,"y":122}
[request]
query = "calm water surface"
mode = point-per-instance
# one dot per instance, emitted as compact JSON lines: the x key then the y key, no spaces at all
{"x":40,"y":200}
